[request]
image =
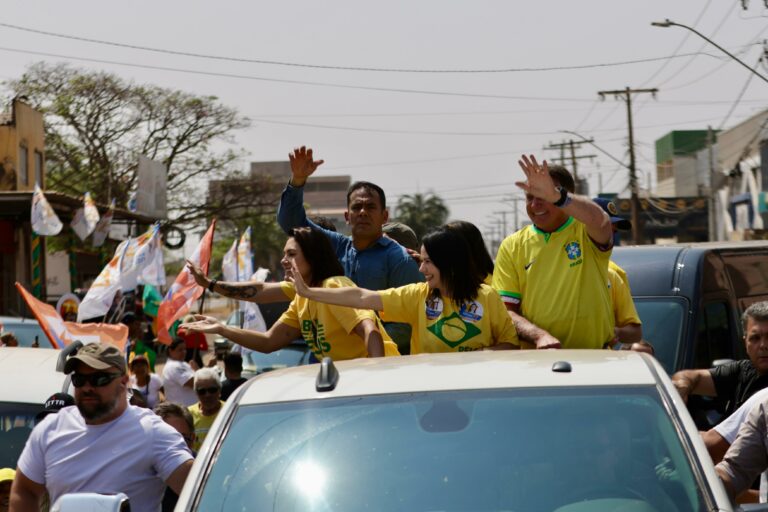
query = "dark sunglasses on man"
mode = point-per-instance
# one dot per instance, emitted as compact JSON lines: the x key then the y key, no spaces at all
{"x":207,"y":391}
{"x":97,"y":380}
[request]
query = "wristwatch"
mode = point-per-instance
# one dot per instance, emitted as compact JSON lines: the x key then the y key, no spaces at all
{"x":564,"y":200}
{"x":211,"y":285}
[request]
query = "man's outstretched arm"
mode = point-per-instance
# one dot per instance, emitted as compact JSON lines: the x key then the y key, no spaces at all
{"x":290,"y":211}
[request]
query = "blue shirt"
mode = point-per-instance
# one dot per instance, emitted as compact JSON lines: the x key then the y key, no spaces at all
{"x":382,"y":265}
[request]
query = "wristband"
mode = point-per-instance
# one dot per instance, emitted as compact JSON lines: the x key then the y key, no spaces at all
{"x":211,"y":285}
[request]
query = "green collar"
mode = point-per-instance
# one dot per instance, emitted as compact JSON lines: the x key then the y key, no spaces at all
{"x":548,"y":235}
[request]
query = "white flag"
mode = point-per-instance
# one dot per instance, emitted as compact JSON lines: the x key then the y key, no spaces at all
{"x":229,"y":263}
{"x":154,"y":272}
{"x":102,"y":292}
{"x":244,"y":256}
{"x":139,"y":253}
{"x":44,"y":219}
{"x":86,"y":218}
{"x":102,"y":228}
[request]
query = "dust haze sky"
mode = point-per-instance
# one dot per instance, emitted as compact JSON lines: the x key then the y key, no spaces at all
{"x":455,"y":134}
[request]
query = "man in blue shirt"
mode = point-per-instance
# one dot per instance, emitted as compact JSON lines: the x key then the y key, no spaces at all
{"x":370,"y":259}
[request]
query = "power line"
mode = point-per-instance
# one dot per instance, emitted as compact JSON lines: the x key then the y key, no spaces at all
{"x":741,"y":94}
{"x":333,"y":67}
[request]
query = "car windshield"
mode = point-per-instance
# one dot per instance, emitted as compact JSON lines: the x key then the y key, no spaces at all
{"x":504,"y":450}
{"x":16,"y":422}
{"x":663,"y":326}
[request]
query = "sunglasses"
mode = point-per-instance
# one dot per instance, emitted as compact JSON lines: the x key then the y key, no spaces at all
{"x":97,"y":380}
{"x":207,"y":391}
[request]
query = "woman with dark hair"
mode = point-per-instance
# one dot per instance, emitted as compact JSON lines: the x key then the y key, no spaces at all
{"x":483,"y":261}
{"x":453,"y":311}
{"x":342,"y":333}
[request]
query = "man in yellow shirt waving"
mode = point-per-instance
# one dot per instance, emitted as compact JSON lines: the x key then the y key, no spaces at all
{"x":553,"y":274}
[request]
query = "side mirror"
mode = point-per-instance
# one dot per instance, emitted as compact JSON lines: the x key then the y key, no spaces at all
{"x":720,"y":362}
{"x":92,"y":502}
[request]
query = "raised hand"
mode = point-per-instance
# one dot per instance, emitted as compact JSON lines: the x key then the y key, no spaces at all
{"x":302,"y":165}
{"x":538,"y":183}
{"x":198,"y":275}
{"x":294,"y":276}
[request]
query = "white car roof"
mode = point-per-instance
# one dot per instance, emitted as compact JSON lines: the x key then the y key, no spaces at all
{"x":28,"y":375}
{"x":457,"y":371}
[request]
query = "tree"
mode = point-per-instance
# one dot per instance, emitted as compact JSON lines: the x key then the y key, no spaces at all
{"x":421,"y":212}
{"x":97,"y":125}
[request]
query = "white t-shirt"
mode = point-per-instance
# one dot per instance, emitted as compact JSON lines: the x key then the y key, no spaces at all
{"x":135,"y":454}
{"x":729,"y":429}
{"x":151,"y":391}
{"x":175,"y":374}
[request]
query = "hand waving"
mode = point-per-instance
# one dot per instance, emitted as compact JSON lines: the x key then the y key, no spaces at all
{"x":302,"y":165}
{"x":197,"y":274}
{"x":539,"y":183}
{"x":294,"y":276}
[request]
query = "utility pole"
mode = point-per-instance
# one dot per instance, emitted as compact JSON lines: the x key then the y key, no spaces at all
{"x":503,"y":222}
{"x":572,"y":145}
{"x":626,"y":95}
{"x":711,"y":224}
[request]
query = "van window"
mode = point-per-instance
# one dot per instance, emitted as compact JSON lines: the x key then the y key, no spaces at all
{"x":713,"y":338}
{"x":663,"y":322}
{"x":748,"y":273}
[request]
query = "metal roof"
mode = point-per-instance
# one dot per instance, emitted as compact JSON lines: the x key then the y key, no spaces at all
{"x":463,"y":371}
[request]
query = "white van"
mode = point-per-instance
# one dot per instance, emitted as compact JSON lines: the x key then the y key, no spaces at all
{"x":28,"y":377}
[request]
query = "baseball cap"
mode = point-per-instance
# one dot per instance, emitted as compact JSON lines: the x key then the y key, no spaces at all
{"x":7,"y":474}
{"x":401,"y":234}
{"x":609,"y":207}
{"x":98,"y":357}
{"x":54,"y":404}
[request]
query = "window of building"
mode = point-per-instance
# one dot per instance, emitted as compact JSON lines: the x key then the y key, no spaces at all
{"x":39,"y":168}
{"x":23,"y":164}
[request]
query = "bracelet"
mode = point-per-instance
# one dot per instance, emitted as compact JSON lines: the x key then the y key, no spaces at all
{"x":211,"y":285}
{"x":564,"y":200}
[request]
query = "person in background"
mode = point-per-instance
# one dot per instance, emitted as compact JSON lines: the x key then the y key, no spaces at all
{"x":402,"y":234}
{"x":178,"y":375}
{"x":734,"y":382}
{"x":208,"y":389}
{"x":195,"y":342}
{"x":480,"y":254}
{"x":368,"y":258}
{"x":233,"y":368}
{"x":6,"y":481}
{"x":8,"y":339}
{"x":453,"y":311}
{"x":180,"y":419}
{"x":324,"y":222}
{"x":54,"y":404}
{"x":149,"y":383}
{"x":136,"y":343}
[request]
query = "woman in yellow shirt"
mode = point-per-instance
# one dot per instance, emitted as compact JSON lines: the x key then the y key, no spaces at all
{"x":342,"y":333}
{"x":453,"y":311}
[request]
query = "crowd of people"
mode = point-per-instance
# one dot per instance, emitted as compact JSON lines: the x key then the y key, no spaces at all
{"x":379,"y":292}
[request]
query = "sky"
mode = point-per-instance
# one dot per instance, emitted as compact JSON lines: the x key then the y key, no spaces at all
{"x":424,"y":96}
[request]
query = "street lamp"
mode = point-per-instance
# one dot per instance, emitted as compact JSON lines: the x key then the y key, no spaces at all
{"x":670,"y":23}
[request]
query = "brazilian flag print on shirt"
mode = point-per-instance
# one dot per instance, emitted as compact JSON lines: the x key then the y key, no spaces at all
{"x":438,"y":326}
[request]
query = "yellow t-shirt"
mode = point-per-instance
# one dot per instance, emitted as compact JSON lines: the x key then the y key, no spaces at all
{"x":288,"y":289}
{"x":559,"y":280}
{"x":328,"y":330}
{"x":624,"y":311}
{"x":438,"y":327}
{"x":202,"y":424}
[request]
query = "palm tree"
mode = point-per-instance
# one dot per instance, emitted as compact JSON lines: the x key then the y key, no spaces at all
{"x":421,"y":212}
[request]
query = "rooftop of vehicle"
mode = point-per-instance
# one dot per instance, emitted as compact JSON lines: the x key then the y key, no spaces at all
{"x":463,"y":371}
{"x":29,"y":374}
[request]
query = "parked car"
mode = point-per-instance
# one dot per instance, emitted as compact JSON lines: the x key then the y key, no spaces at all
{"x":27,"y":330}
{"x":690,"y":297}
{"x":28,"y":376}
{"x":561,"y":431}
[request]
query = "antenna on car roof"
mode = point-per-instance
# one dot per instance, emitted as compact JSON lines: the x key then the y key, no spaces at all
{"x":327,"y":377}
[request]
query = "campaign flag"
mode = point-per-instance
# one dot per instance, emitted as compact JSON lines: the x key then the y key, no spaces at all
{"x":45,"y":222}
{"x":244,"y":256}
{"x":184,"y":291}
{"x":106,"y":334}
{"x":48,"y":318}
{"x":100,"y":295}
{"x":139,"y":253}
{"x":154,"y":272}
{"x":102,"y":227}
{"x":229,"y":263}
{"x":86,"y":218}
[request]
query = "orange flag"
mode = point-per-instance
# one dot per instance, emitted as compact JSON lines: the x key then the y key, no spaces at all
{"x":184,"y":291}
{"x":61,"y":333}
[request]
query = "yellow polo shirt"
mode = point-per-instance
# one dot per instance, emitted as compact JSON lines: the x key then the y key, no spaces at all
{"x":624,"y":310}
{"x":559,"y":279}
{"x":328,"y":330}
{"x":437,"y":326}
